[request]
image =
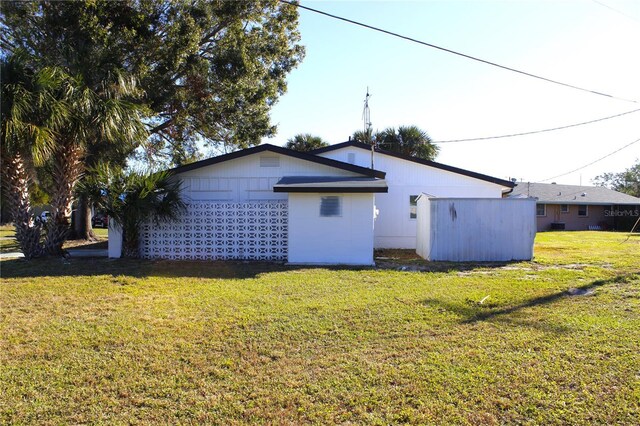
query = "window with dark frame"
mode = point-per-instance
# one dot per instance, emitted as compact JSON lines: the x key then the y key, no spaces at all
{"x":583,"y":210}
{"x":413,"y":206}
{"x":541,"y":209}
{"x":331,"y":206}
{"x":564,"y":208}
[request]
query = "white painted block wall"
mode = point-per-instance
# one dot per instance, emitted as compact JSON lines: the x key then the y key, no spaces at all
{"x":347,"y":239}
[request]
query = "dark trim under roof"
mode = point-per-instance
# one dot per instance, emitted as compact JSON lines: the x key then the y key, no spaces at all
{"x":433,"y":164}
{"x":279,"y":150}
{"x":321,"y":184}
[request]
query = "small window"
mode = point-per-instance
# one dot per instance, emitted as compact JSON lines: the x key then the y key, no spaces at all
{"x":330,"y":206}
{"x":564,"y":208}
{"x":583,"y":210}
{"x":413,"y":206}
{"x":351,"y":158}
{"x":269,"y":161}
{"x":541,"y":209}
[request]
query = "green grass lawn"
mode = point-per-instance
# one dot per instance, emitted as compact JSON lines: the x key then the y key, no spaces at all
{"x":139,"y":342}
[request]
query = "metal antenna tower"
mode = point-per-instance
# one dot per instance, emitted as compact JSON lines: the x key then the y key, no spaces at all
{"x":366,"y":114}
{"x":366,"y":117}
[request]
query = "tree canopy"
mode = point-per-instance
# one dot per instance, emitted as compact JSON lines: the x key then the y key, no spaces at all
{"x":209,"y":71}
{"x":176,"y":74}
{"x":306,"y":142}
{"x":406,"y":140}
{"x":627,"y":181}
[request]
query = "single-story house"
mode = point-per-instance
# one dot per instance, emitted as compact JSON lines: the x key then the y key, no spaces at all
{"x":325,"y":207}
{"x":578,"y":208}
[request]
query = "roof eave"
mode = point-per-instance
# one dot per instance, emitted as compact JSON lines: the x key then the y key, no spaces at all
{"x":331,"y":189}
{"x":505,"y":183}
{"x":279,"y":150}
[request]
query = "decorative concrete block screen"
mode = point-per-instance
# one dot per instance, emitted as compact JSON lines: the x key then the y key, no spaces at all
{"x":220,"y":230}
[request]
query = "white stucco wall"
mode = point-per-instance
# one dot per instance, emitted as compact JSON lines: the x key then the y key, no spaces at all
{"x":115,"y":240}
{"x":394,"y":227}
{"x":347,"y":239}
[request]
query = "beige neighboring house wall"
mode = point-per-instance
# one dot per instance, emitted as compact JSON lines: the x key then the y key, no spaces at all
{"x":579,"y":208}
{"x":570,"y":218}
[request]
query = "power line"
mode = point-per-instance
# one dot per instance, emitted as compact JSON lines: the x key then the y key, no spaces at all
{"x":593,"y":162}
{"x":615,"y":10}
{"x":455,"y":52}
{"x":537,"y":131}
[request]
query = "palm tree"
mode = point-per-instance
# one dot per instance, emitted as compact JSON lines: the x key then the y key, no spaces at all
{"x":305,"y":142}
{"x":407,"y":140}
{"x":30,"y":116}
{"x":134,"y":199}
{"x":363,"y":136}
{"x":105,"y":115}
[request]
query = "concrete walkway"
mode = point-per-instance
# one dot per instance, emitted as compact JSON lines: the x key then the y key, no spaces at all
{"x":88,"y":252}
{"x":11,"y":255}
{"x":72,"y":253}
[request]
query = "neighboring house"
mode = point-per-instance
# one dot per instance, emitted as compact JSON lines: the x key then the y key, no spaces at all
{"x":329,"y":206}
{"x":407,"y":178}
{"x":577,"y":208}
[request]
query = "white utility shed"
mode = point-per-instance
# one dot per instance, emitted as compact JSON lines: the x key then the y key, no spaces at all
{"x":486,"y":229}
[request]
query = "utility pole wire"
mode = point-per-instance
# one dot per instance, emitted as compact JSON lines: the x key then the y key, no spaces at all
{"x":615,"y":10}
{"x":593,"y":162}
{"x":538,"y":131}
{"x":473,"y":58}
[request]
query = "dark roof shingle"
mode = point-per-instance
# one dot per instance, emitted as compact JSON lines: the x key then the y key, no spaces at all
{"x":551,"y":193}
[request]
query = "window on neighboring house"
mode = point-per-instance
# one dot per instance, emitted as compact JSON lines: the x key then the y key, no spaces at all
{"x":564,"y":208}
{"x":330,"y":206}
{"x":413,"y":206}
{"x":541,"y":209}
{"x":583,"y":210}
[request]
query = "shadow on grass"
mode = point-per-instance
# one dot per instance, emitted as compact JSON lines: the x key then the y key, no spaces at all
{"x":473,"y":312}
{"x":408,"y":260}
{"x":401,"y":260}
{"x":140,"y":268}
{"x":84,"y":245}
{"x":222,"y":269}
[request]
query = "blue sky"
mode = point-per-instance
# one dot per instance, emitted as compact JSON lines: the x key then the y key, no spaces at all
{"x":580,"y":42}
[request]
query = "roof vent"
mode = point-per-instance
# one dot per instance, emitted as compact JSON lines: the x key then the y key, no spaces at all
{"x":584,"y":194}
{"x":269,"y":161}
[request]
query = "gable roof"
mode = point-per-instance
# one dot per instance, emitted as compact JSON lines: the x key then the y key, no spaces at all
{"x":424,"y":162}
{"x":279,"y":150}
{"x":330,"y":184}
{"x":551,"y":193}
